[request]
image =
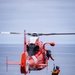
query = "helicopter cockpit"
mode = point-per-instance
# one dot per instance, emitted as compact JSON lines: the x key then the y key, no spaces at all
{"x":32,"y":49}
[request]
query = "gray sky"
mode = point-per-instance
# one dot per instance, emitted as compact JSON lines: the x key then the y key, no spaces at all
{"x":45,"y":16}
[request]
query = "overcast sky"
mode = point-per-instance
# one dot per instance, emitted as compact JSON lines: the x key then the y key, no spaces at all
{"x":45,"y":16}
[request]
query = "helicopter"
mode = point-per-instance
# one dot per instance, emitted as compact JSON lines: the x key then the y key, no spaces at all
{"x":35,"y":56}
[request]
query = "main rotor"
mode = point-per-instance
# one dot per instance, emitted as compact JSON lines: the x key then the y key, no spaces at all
{"x":38,"y":34}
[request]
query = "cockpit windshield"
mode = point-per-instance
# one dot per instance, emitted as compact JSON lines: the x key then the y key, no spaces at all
{"x":32,"y":49}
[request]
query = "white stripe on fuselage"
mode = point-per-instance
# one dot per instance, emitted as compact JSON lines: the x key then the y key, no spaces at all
{"x":35,"y":59}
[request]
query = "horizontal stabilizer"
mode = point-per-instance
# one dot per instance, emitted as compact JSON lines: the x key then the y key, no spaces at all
{"x":12,"y":63}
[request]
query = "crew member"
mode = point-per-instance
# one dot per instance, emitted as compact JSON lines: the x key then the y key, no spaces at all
{"x":48,"y":52}
{"x":56,"y":71}
{"x":49,"y":55}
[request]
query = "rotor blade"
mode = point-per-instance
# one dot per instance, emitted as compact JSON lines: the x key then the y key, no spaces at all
{"x":29,"y":34}
{"x":10,"y":33}
{"x":38,"y":34}
{"x":57,"y":34}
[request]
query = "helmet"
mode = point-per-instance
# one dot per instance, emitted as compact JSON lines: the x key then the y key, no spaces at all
{"x":57,"y":67}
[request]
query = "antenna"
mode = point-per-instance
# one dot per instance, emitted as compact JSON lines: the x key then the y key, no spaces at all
{"x":25,"y":48}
